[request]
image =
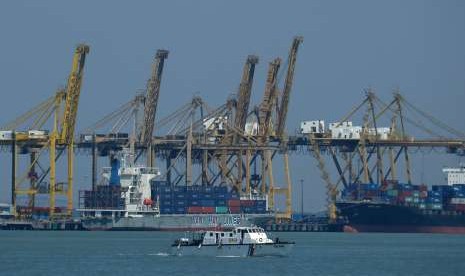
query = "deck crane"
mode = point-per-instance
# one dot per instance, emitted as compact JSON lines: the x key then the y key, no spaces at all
{"x":283,"y":106}
{"x":64,"y":136}
{"x":151,"y":102}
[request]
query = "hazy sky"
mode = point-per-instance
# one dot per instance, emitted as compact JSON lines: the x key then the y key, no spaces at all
{"x":348,"y":46}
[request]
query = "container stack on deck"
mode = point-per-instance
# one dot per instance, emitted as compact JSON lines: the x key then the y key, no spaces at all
{"x":203,"y":200}
{"x":439,"y":197}
{"x":104,"y":197}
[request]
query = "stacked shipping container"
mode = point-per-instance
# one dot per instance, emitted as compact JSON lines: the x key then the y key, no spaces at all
{"x":439,"y":197}
{"x":202,"y":200}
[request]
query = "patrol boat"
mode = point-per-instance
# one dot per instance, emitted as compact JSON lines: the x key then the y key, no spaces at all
{"x":239,"y":242}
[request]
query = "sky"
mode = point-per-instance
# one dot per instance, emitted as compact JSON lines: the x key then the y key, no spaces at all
{"x":416,"y":46}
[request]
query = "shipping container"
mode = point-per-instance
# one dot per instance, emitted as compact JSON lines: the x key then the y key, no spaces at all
{"x":207,"y":202}
{"x":221,"y":203}
{"x":208,"y":210}
{"x":234,"y":203}
{"x":247,"y":203}
{"x":195,"y":203}
{"x":222,"y":210}
{"x":194,"y":209}
{"x":180,"y":202}
{"x":457,"y":200}
{"x":234,"y":209}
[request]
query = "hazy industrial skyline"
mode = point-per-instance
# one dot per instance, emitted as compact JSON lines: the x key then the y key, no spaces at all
{"x":416,"y":46}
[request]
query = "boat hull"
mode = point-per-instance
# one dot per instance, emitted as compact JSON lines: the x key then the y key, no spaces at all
{"x":181,"y":222}
{"x":388,"y":218}
{"x":234,"y":250}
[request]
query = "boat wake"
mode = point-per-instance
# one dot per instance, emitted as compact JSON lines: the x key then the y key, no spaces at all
{"x":161,"y":254}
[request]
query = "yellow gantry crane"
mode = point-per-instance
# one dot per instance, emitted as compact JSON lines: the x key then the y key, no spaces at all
{"x":281,"y":123}
{"x":63,"y":135}
{"x":60,"y":138}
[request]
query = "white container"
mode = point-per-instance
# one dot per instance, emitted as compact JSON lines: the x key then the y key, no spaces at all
{"x":251,"y":128}
{"x":317,"y":126}
{"x":457,"y":200}
{"x":351,"y":132}
{"x":37,"y":134}
{"x":383,"y":132}
{"x":340,"y":124}
{"x":6,"y":135}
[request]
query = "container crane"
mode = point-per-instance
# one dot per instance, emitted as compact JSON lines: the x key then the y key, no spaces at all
{"x":245,"y":90}
{"x":151,"y":102}
{"x":269,"y":100}
{"x":283,"y":106}
{"x":65,"y":135}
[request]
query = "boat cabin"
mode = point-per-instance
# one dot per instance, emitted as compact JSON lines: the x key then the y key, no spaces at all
{"x":239,"y":235}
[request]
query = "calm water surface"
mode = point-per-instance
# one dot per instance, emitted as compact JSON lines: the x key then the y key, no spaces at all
{"x":145,"y":253}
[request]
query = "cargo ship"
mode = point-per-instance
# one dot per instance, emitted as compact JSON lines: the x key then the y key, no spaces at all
{"x":132,"y":197}
{"x":406,"y":208}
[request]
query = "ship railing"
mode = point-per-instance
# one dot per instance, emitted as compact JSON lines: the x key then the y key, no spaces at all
{"x":141,"y":169}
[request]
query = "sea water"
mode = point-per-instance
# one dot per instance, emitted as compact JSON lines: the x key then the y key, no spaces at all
{"x":147,"y":253}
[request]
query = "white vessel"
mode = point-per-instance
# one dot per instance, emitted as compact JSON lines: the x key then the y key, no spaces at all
{"x":126,"y":200}
{"x":239,"y":242}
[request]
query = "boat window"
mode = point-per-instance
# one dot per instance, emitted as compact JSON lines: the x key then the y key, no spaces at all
{"x":222,"y":234}
{"x":230,"y":234}
{"x":211,"y":234}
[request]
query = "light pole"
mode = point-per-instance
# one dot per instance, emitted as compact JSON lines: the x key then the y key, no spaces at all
{"x":302,"y":197}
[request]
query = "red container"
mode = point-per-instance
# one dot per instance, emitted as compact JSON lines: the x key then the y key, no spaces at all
{"x":406,"y":193}
{"x":458,"y":207}
{"x":194,"y":210}
{"x":235,"y":209}
{"x":234,"y":203}
{"x":208,"y":210}
{"x":247,"y":203}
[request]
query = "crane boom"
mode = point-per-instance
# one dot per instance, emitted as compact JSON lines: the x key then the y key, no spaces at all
{"x":245,"y":91}
{"x":283,"y":107}
{"x":269,"y":98}
{"x":72,"y":92}
{"x":151,"y":101}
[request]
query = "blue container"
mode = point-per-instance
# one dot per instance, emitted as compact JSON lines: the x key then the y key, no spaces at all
{"x":194,"y":203}
{"x":221,"y":203}
{"x":260,"y":203}
{"x":222,"y":196}
{"x":234,"y":196}
{"x":180,"y":210}
{"x":180,"y":202}
{"x":159,"y":183}
{"x":207,"y":190}
{"x":458,"y":187}
{"x":405,"y":187}
{"x":220,"y":190}
{"x":166,"y":202}
{"x":179,"y":189}
{"x":434,"y":194}
{"x":194,"y":195}
{"x":180,"y":195}
{"x":207,"y":202}
{"x":434,"y":200}
{"x":166,"y":210}
{"x":207,"y":196}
